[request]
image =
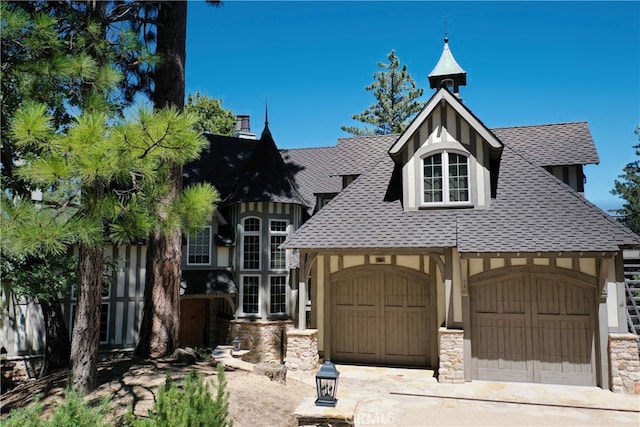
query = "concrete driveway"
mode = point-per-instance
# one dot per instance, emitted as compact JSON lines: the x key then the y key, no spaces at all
{"x":377,"y":396}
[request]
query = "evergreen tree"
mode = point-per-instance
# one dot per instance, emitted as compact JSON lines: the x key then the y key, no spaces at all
{"x":55,"y":53}
{"x":212,"y":117}
{"x":396,"y":103}
{"x":628,"y":187}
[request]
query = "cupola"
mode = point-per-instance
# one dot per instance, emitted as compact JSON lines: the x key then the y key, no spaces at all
{"x":447,"y":73}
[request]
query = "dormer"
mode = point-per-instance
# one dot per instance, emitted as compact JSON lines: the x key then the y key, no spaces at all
{"x":449,"y":159}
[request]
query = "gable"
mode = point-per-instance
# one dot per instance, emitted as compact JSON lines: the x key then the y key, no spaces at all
{"x":447,"y":157}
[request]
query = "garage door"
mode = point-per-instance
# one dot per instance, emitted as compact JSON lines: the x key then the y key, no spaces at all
{"x":380,"y":317}
{"x":534,"y":328}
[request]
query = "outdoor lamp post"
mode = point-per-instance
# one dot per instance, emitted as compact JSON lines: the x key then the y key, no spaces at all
{"x":236,"y":344}
{"x":327,"y":384}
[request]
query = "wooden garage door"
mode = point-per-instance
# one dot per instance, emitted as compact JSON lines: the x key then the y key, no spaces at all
{"x":380,"y":317}
{"x":533,"y":328}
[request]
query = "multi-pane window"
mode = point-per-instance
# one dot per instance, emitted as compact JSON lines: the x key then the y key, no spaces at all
{"x":250,"y":293}
{"x":251,"y":244}
{"x":104,"y":321}
{"x":433,"y":179}
{"x":199,"y":246}
{"x":445,"y":178}
{"x":277,"y":236}
{"x":278,"y":293}
{"x":458,"y":178}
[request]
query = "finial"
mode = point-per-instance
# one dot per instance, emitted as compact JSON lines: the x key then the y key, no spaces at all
{"x":266,"y":111}
{"x":446,"y":35}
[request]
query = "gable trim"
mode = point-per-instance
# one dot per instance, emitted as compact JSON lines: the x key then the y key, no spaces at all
{"x":443,"y":95}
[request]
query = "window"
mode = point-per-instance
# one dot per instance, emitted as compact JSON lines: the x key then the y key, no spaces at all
{"x":104,"y":321}
{"x":199,"y":247}
{"x":277,"y":235}
{"x":445,"y":178}
{"x":251,"y":244}
{"x":250,"y":294}
{"x":278,"y":293}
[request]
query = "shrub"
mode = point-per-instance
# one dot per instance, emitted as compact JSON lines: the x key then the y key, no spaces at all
{"x":190,"y":406}
{"x":71,"y":412}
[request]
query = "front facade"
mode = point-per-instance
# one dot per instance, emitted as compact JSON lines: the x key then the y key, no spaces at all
{"x":453,"y":246}
{"x":472,"y":251}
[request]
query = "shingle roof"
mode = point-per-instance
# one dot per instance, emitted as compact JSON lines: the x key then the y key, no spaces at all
{"x":552,"y":144}
{"x":265,"y":177}
{"x":309,"y":168}
{"x":220,"y":163}
{"x":533,"y":212}
{"x":244,"y":170}
{"x":360,"y":217}
{"x":355,"y":156}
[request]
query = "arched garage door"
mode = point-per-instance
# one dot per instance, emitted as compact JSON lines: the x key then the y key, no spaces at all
{"x":380,"y":316}
{"x":534,"y":328}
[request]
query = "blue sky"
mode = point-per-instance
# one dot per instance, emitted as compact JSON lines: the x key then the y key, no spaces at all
{"x":527,"y":63}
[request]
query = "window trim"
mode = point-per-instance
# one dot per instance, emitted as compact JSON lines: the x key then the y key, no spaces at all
{"x":279,"y":233}
{"x":241,"y":302}
{"x":445,"y":179}
{"x":209,"y":247}
{"x":73,"y":307}
{"x":286,"y":295}
{"x":242,"y":245}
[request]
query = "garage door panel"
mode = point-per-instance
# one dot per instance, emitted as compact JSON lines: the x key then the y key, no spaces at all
{"x":395,"y":330}
{"x":500,"y":347}
{"x":552,"y":341}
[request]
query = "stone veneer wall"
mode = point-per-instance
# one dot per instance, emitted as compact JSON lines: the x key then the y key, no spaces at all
{"x":302,"y":349}
{"x":624,"y":365}
{"x":262,"y":338}
{"x":451,"y":368}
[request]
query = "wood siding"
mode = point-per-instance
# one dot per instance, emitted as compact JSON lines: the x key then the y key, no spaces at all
{"x":381,"y":316}
{"x":534,"y":328}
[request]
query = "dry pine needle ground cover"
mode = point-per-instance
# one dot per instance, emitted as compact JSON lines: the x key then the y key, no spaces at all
{"x":254,"y":400}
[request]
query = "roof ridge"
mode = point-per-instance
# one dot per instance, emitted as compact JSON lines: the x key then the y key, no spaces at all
{"x":542,"y":125}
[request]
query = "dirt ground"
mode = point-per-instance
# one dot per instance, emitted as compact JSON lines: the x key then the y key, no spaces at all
{"x":132,"y":383}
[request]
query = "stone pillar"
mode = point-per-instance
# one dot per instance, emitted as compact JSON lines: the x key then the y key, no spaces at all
{"x":265,"y":340}
{"x":302,"y":350}
{"x":624,"y":365}
{"x":451,"y":366}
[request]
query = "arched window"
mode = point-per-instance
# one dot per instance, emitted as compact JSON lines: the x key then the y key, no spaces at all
{"x":445,"y":179}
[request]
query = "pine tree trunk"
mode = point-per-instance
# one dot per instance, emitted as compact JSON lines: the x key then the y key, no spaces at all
{"x":57,"y":349}
{"x":161,"y":320}
{"x":86,"y":329}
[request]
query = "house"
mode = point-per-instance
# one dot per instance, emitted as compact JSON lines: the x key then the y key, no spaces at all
{"x":472,"y":251}
{"x":469,"y":250}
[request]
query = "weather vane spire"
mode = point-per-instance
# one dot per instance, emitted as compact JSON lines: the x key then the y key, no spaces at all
{"x":446,"y":35}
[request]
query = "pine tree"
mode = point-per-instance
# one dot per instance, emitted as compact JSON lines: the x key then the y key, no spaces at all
{"x":396,"y":96}
{"x":212,"y":116}
{"x":628,"y":187}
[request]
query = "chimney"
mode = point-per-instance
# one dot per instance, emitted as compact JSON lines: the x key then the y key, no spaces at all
{"x":243,"y":128}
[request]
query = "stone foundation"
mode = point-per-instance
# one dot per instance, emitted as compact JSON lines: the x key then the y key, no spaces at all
{"x":624,"y":365}
{"x":302,"y":350}
{"x":265,"y":340}
{"x":451,"y":367}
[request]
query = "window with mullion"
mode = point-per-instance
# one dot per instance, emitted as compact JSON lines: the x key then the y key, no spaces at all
{"x":433,"y":179}
{"x":278,"y":295}
{"x":458,"y":178}
{"x":250,"y":294}
{"x":251,"y":244}
{"x":445,"y":178}
{"x":199,"y":247}
{"x":277,"y":235}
